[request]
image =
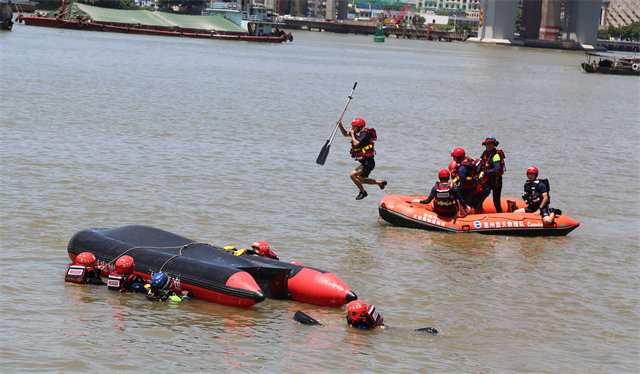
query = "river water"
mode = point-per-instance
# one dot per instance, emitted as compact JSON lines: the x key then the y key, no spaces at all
{"x":216,"y":141}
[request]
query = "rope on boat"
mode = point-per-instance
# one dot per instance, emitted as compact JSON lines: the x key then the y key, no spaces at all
{"x":171,"y":258}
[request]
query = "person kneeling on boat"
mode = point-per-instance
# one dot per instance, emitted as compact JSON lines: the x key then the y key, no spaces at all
{"x":536,"y":195}
{"x":84,"y":270}
{"x":446,"y":196}
{"x":122,"y":278}
{"x":361,"y":317}
{"x":160,"y":289}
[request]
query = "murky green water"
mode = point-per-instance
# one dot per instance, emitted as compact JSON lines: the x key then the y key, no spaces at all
{"x":216,"y":141}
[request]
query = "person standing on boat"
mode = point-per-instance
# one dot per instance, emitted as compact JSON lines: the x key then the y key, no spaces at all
{"x":536,"y":194}
{"x":84,"y":270}
{"x":122,"y":278}
{"x":362,"y":150}
{"x":464,"y":174}
{"x":492,"y":167}
{"x":447,"y":197}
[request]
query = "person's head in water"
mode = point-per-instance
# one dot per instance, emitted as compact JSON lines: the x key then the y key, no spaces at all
{"x":363,"y":317}
{"x":159,"y":282}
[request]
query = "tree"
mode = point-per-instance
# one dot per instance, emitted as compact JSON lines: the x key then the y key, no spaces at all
{"x":444,"y":13}
{"x":418,"y":20}
{"x":463,"y":26}
{"x":518,"y":21}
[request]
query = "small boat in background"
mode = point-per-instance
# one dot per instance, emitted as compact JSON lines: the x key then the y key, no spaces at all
{"x":608,"y":64}
{"x":225,"y":20}
{"x":24,"y":6}
{"x":211,"y":273}
{"x":400,"y":211}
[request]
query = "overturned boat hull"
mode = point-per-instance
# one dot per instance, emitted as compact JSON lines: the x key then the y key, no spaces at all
{"x":211,"y":273}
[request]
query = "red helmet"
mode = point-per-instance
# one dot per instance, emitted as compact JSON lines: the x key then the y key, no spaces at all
{"x":263,"y":247}
{"x":125,"y":265}
{"x":532,"y":169}
{"x":444,"y":173}
{"x":358,"y":122}
{"x":458,"y":152}
{"x":355,"y":308}
{"x":452,"y":165}
{"x":86,"y":258}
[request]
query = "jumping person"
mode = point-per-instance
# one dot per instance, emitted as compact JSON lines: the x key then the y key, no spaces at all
{"x":492,"y":167}
{"x":84,"y":270}
{"x":536,"y":194}
{"x":362,"y":150}
{"x":447,"y":197}
{"x":160,"y":289}
{"x":464,"y":174}
{"x":122,"y":278}
{"x":361,"y":317}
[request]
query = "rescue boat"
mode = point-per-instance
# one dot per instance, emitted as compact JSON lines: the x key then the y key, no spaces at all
{"x":211,"y":273}
{"x":399,"y":210}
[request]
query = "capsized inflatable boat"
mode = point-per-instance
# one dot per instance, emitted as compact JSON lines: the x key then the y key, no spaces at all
{"x":398,"y":210}
{"x":211,"y":273}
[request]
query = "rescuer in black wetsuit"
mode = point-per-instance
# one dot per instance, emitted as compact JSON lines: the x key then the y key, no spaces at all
{"x":84,"y":270}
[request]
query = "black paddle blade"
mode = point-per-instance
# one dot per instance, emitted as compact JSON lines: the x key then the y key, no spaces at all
{"x":305,"y":319}
{"x":427,"y":329}
{"x":324,"y":152}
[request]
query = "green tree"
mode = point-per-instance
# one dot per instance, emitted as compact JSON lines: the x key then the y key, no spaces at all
{"x":463,"y":26}
{"x":418,"y":20}
{"x":603,"y":34}
{"x":444,"y":13}
{"x":518,"y":21}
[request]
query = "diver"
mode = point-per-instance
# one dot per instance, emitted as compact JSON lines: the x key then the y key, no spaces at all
{"x":160,"y":289}
{"x":362,"y":150}
{"x":122,"y":278}
{"x":447,"y":197}
{"x":84,"y":270}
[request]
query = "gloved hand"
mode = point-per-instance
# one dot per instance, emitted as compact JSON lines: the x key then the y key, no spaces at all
{"x":416,"y":201}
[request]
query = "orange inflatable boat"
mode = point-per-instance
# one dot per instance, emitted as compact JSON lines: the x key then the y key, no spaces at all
{"x":398,"y":210}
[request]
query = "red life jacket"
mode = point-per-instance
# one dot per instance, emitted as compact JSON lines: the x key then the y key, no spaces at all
{"x":470,"y":181}
{"x":486,"y":163}
{"x":78,"y":273}
{"x":445,"y":202}
{"x":122,"y":282}
{"x":365,"y":152}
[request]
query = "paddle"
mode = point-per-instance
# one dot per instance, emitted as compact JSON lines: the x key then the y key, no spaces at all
{"x":324,"y":152}
{"x":305,"y":319}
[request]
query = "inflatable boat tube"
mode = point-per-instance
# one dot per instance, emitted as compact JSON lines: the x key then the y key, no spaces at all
{"x":398,"y":210}
{"x":211,"y":273}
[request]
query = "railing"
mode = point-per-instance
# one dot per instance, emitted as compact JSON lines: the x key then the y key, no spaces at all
{"x":227,"y":6}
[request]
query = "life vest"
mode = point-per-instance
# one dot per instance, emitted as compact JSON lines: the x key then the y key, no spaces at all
{"x":531,"y":194}
{"x":122,"y":282}
{"x":470,"y":180}
{"x":76,"y":274}
{"x":486,"y":162}
{"x":365,"y":152}
{"x":445,"y":202}
{"x":367,"y":320}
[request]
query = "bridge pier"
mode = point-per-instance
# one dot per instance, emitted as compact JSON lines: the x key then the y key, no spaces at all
{"x":581,"y":18}
{"x":497,"y":22}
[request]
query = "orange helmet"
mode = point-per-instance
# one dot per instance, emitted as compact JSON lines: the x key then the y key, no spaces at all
{"x":263,"y":247}
{"x":458,"y":152}
{"x":452,"y":165}
{"x":86,"y":258}
{"x":444,"y":173}
{"x":125,"y":265}
{"x":358,"y":122}
{"x":356,"y":308}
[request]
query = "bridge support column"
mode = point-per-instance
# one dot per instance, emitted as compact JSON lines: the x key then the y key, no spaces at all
{"x":498,"y":20}
{"x":581,"y":19}
{"x":530,"y":21}
{"x":331,"y":10}
{"x":343,"y":9}
{"x":550,"y":23}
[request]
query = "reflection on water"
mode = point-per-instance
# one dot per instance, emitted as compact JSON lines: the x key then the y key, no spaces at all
{"x":216,"y":141}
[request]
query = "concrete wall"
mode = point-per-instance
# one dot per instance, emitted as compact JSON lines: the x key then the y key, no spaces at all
{"x":550,"y":21}
{"x":331,"y":9}
{"x":581,"y":19}
{"x":498,"y":20}
{"x":530,"y":21}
